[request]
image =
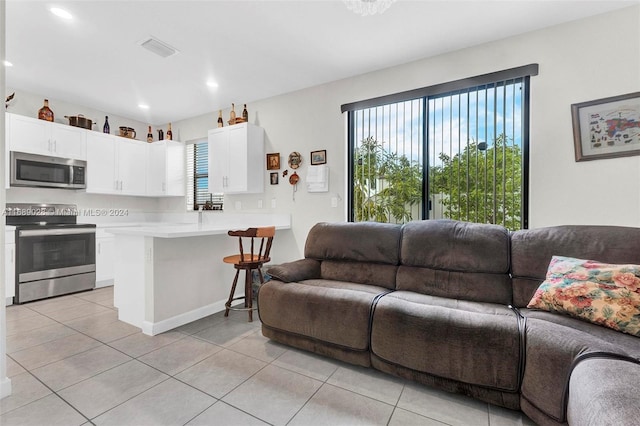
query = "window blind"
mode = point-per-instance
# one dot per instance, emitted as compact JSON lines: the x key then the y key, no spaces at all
{"x":197,"y":174}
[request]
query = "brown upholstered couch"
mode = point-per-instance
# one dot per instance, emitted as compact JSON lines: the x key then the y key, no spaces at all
{"x":444,"y":303}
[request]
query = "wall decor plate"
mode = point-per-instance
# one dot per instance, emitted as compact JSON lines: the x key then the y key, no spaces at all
{"x":295,"y":159}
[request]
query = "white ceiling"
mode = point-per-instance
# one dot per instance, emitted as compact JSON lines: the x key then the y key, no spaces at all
{"x":252,"y":49}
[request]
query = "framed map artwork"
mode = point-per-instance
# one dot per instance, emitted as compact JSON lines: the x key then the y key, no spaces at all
{"x":607,"y":128}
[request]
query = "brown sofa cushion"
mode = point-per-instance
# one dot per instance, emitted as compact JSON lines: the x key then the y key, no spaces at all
{"x":298,"y":270}
{"x":456,"y":259}
{"x":358,"y":242}
{"x":551,"y":349}
{"x":471,"y":342}
{"x":532,"y":249}
{"x":604,"y":392}
{"x":335,"y":312}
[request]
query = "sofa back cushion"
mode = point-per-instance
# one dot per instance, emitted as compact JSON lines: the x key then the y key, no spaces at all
{"x":459,"y":260}
{"x":532,"y":250}
{"x":363,"y":252}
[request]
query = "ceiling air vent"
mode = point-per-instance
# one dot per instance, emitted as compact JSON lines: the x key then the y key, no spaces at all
{"x":158,"y":47}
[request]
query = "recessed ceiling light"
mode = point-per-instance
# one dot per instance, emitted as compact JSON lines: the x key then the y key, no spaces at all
{"x":212,"y":84}
{"x":143,"y":106}
{"x":7,"y":63}
{"x":61,"y":13}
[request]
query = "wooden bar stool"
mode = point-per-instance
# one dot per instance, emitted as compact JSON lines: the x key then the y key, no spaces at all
{"x":253,"y":260}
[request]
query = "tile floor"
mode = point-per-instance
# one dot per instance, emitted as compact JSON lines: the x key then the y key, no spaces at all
{"x":71,"y":362}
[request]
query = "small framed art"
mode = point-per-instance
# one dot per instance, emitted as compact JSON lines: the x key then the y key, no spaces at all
{"x":273,"y":161}
{"x":607,"y":128}
{"x":273,"y":178}
{"x":318,"y":157}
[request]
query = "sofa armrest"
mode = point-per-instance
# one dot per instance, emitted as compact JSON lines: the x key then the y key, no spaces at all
{"x":303,"y":269}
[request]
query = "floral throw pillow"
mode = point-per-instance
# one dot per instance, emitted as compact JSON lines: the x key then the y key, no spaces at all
{"x":601,"y":293}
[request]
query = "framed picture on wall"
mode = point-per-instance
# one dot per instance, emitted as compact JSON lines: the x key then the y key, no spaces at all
{"x":273,"y":178}
{"x":273,"y":161}
{"x":318,"y":157}
{"x":607,"y":128}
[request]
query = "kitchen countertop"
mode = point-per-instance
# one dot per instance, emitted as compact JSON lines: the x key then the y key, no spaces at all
{"x":182,"y":230}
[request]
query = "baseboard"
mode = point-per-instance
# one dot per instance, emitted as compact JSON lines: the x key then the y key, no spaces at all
{"x":152,"y":328}
{"x":5,"y":387}
{"x":9,"y":301}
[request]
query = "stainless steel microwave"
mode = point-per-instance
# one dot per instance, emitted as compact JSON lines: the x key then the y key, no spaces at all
{"x":45,"y":171}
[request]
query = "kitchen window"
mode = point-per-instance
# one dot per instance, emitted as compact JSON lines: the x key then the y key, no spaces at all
{"x":457,"y":150}
{"x":198,"y":193}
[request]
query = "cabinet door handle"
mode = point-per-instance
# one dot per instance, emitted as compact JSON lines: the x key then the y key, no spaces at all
{"x":164,"y":187}
{"x":49,"y":145}
{"x":55,"y":145}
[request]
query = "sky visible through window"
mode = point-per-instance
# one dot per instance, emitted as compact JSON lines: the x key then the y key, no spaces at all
{"x":477,"y":122}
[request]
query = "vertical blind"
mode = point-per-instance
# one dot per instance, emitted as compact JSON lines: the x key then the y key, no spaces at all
{"x":456,"y":150}
{"x":197,"y":174}
{"x":475,"y":140}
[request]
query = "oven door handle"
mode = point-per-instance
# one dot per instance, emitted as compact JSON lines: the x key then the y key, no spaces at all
{"x":49,"y":232}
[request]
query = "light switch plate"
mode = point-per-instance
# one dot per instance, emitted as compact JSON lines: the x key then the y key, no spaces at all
{"x":273,"y":203}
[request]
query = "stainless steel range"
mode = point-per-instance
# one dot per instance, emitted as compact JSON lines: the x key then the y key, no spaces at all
{"x":55,"y":255}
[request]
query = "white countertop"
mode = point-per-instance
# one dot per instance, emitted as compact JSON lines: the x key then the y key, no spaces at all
{"x":220,"y":227}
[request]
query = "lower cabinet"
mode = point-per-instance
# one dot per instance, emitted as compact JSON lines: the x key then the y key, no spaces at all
{"x":9,"y":266}
{"x":104,"y":258}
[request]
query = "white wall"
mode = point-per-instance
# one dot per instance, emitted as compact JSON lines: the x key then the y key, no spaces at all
{"x":579,"y":61}
{"x":5,"y":383}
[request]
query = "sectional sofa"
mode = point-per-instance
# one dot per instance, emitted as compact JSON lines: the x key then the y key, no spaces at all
{"x":444,"y":303}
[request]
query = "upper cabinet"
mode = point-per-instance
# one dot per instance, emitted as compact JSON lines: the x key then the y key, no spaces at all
{"x":116,"y":165}
{"x":165,"y":169}
{"x":26,"y":134}
{"x":124,"y":166}
{"x":236,"y":157}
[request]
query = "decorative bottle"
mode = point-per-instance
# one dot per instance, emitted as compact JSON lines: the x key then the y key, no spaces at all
{"x":45,"y":112}
{"x":149,"y":135}
{"x":160,"y":134}
{"x":106,"y":128}
{"x":169,"y":133}
{"x":220,"y":120}
{"x":232,"y":115}
{"x":245,"y":113}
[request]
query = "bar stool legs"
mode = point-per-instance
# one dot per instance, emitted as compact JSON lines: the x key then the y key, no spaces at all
{"x":248,"y":292}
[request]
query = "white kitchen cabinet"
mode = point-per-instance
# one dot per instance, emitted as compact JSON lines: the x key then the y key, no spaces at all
{"x":26,"y":134}
{"x":132,"y":167}
{"x":101,"y":163}
{"x":105,"y":258}
{"x":165,"y":169}
{"x":236,"y":159}
{"x":115,"y":165}
{"x":9,"y":266}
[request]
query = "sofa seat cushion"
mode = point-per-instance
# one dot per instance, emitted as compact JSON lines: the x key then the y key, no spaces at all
{"x":335,"y":312}
{"x":551,"y":349}
{"x":471,"y":342}
{"x":626,"y":343}
{"x":604,"y":392}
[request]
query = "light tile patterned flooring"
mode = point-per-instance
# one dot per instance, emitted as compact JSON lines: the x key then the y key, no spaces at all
{"x":71,"y":362}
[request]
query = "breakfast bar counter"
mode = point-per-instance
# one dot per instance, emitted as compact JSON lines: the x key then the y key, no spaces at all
{"x":167,"y":274}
